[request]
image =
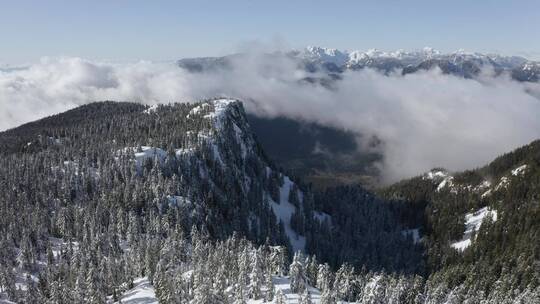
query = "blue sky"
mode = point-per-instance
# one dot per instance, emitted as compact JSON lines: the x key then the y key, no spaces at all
{"x":166,"y":30}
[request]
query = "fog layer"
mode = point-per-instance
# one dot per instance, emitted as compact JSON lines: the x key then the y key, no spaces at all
{"x":423,"y":120}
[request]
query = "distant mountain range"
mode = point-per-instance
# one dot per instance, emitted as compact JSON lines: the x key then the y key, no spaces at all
{"x":297,"y":145}
{"x":319,"y":59}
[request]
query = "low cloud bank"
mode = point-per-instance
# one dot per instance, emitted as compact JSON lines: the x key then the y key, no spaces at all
{"x":423,"y":120}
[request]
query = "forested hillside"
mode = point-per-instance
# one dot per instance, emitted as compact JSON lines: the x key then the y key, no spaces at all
{"x":182,"y":196}
{"x":481,"y":227}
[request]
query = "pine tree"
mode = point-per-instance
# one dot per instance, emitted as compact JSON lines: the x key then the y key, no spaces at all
{"x":256,"y":277}
{"x":80,"y":286}
{"x":297,"y":274}
{"x":161,"y":284}
{"x":280,"y":297}
{"x":57,"y":293}
{"x":328,"y":297}
{"x":32,"y":294}
{"x":7,"y":281}
{"x":344,"y":282}
{"x":324,"y":277}
{"x":95,"y":290}
{"x":312,"y":269}
{"x":201,"y":294}
{"x":239,"y":297}
{"x":305,"y":298}
{"x":244,"y":267}
{"x":270,"y":288}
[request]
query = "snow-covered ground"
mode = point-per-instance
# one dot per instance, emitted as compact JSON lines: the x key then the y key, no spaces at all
{"x":283,"y":284}
{"x":141,"y":293}
{"x":151,"y":109}
{"x":519,"y":170}
{"x":178,"y":200}
{"x":146,"y":152}
{"x":436,"y":174}
{"x":473,"y":221}
{"x":283,"y":211}
{"x":446,"y":182}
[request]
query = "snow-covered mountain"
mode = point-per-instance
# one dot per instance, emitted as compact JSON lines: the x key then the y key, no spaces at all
{"x":357,"y":58}
{"x":156,"y":175}
{"x":238,"y":163}
{"x":180,"y":203}
{"x":314,"y":58}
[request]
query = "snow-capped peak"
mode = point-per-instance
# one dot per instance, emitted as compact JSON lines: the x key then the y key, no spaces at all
{"x":326,"y":55}
{"x":429,"y":51}
{"x":347,"y":58}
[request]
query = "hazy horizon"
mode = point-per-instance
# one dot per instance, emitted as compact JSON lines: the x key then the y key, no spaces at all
{"x":170,"y":30}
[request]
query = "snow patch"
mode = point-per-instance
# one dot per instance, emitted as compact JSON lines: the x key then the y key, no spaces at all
{"x":284,"y":284}
{"x":146,"y":152}
{"x":502,"y":183}
{"x":446,"y":182}
{"x":178,"y":200}
{"x":142,"y":293}
{"x":519,"y":170}
{"x":184,"y":151}
{"x":220,"y":108}
{"x":487,"y":193}
{"x":151,"y":109}
{"x":473,"y":221}
{"x":436,"y":174}
{"x":198,"y":109}
{"x":284,"y":211}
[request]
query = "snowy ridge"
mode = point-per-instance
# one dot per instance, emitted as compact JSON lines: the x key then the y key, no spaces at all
{"x":285,"y":209}
{"x":435,"y":174}
{"x":316,"y":59}
{"x":350,"y":58}
{"x":221,"y":107}
{"x":444,"y":180}
{"x":326,"y":55}
{"x":473,"y":221}
{"x":229,"y":127}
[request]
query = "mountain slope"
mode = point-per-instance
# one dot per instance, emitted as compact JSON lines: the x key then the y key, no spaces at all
{"x":209,"y":145}
{"x":481,"y":226}
{"x":184,"y":195}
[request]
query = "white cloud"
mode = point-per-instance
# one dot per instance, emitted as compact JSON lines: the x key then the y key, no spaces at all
{"x":425,"y":120}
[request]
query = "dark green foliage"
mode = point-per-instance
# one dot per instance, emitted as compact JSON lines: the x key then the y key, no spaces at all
{"x":74,"y":200}
{"x":507,"y":249}
{"x":365,"y":231}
